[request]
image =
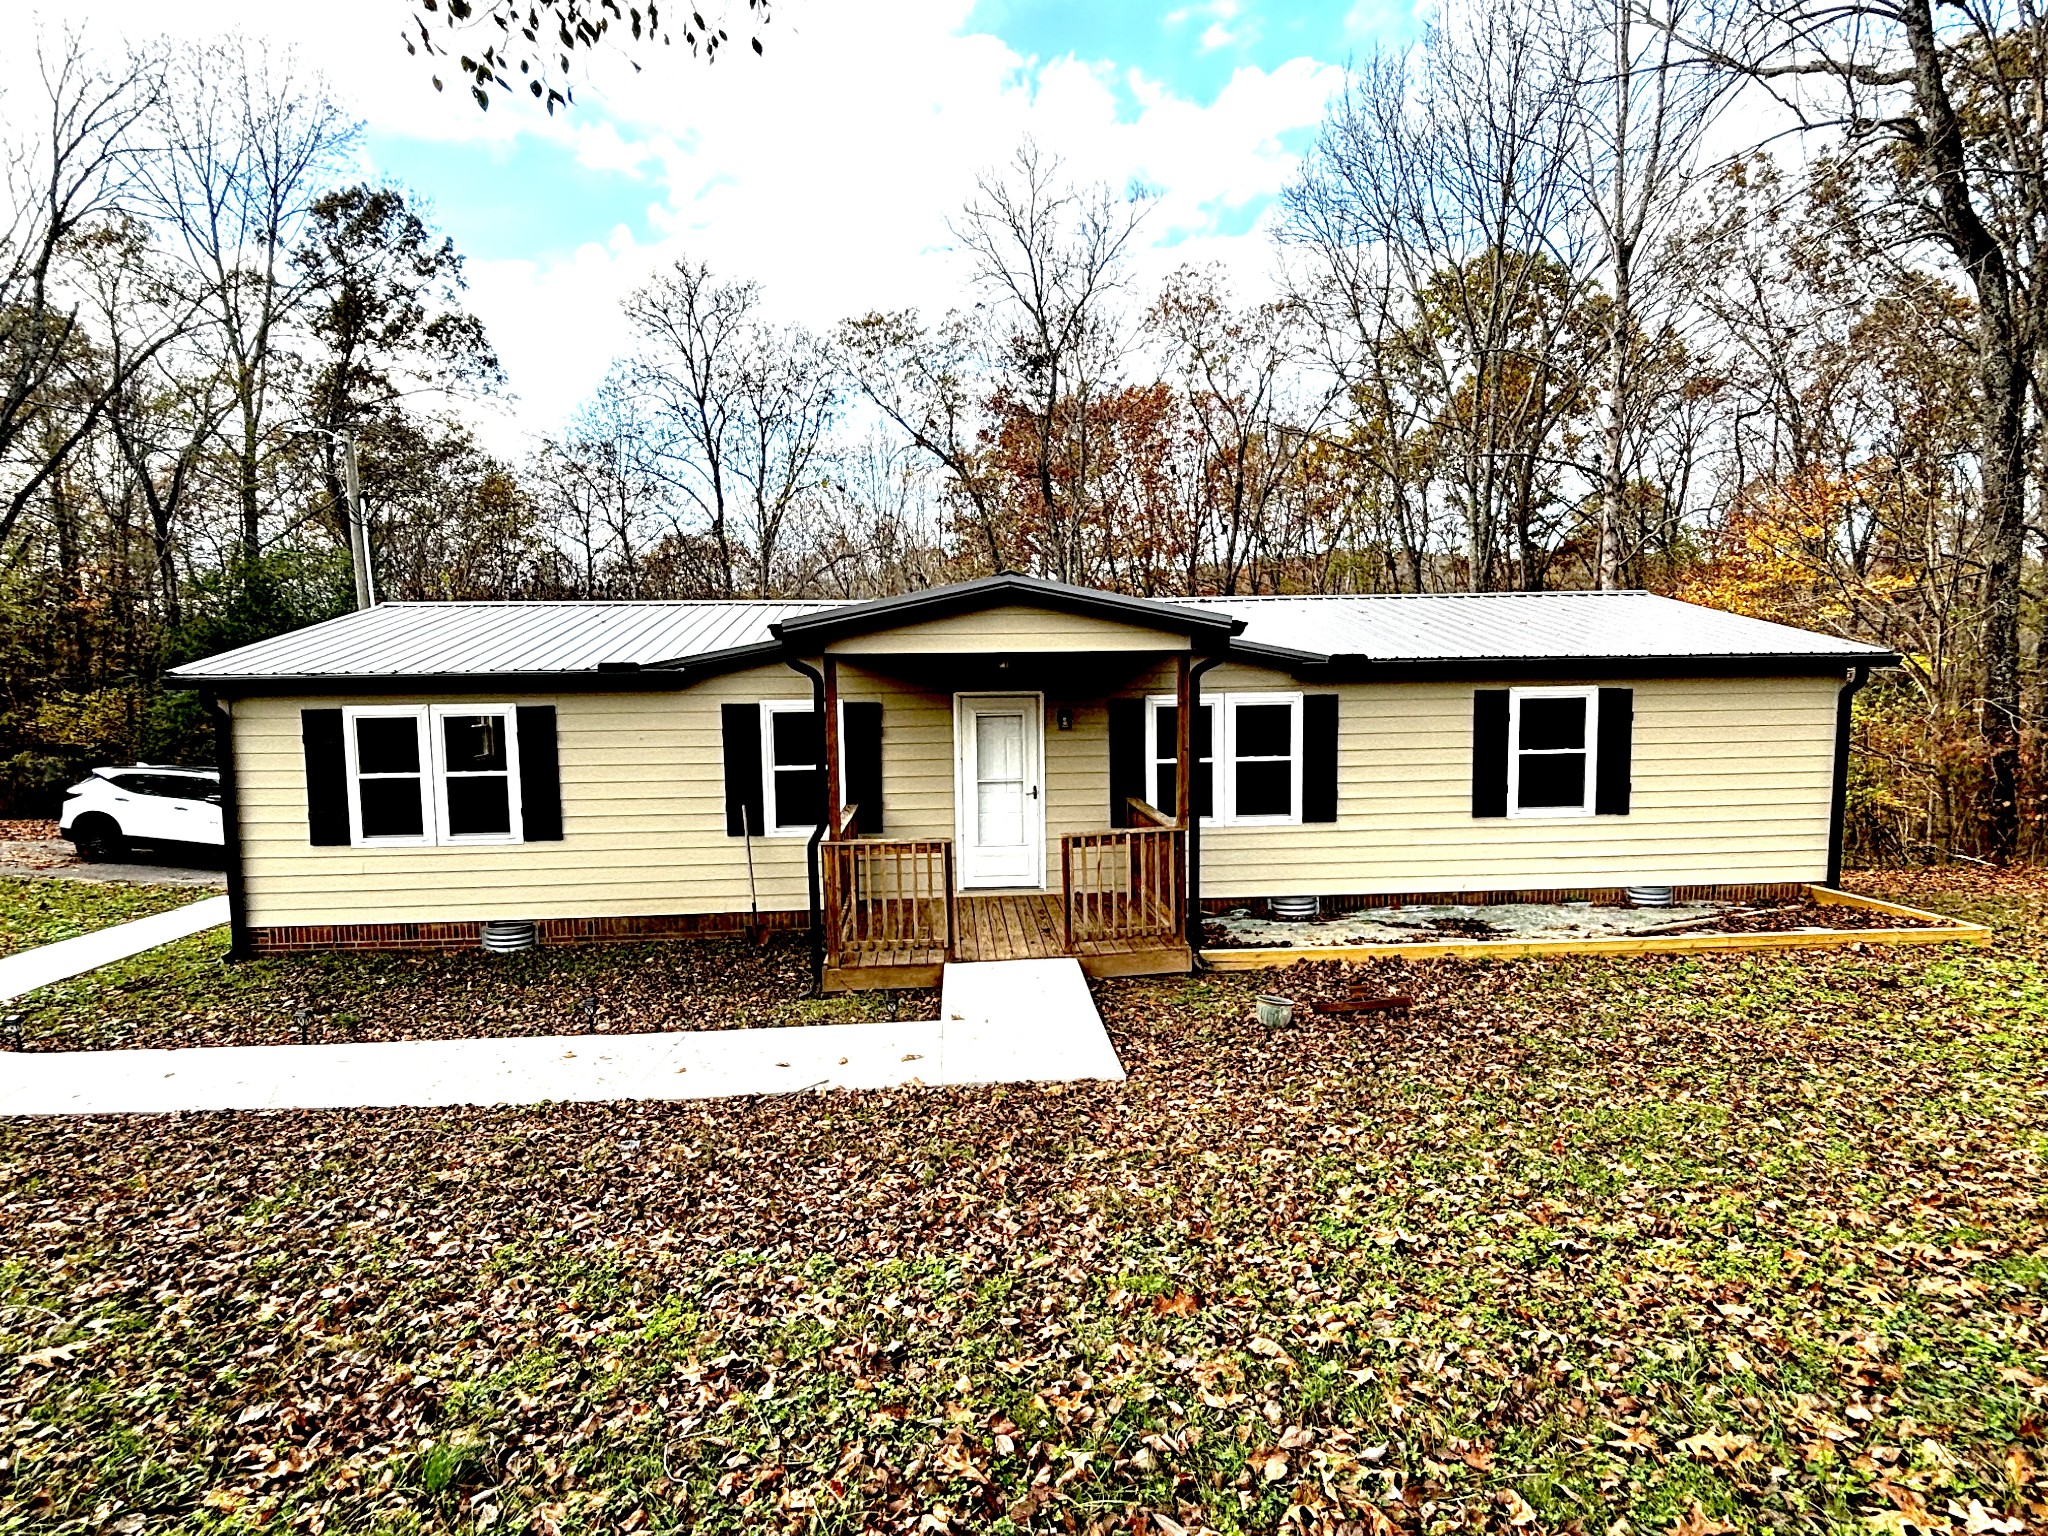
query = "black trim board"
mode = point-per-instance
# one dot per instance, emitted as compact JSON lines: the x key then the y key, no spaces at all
{"x":1838,"y":799}
{"x":817,"y":629}
{"x":671,"y":677}
{"x":239,"y":946}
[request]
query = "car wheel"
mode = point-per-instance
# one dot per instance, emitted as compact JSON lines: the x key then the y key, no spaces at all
{"x":98,"y":839}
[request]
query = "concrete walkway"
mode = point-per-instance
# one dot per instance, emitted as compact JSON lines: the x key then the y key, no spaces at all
{"x":39,"y":967}
{"x":1034,"y":1033}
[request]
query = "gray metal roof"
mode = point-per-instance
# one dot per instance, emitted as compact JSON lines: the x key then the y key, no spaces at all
{"x":493,"y":639}
{"x":1481,"y":626}
{"x":540,"y":640}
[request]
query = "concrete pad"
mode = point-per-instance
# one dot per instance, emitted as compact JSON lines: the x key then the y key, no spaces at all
{"x":1002,"y":1017}
{"x":39,"y":967}
{"x":1035,"y":1027}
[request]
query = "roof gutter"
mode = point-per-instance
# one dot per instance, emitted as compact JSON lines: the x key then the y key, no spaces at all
{"x":1838,"y":807}
{"x":811,"y":866}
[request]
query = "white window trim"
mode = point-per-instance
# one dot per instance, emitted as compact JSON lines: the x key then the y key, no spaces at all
{"x":1223,"y":753}
{"x":516,"y":819}
{"x":1234,"y":702}
{"x":1592,"y":749}
{"x":417,"y":713}
{"x":1154,"y":703}
{"x":769,"y":709}
{"x":433,"y":774}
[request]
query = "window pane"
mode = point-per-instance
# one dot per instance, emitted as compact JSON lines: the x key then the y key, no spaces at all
{"x":999,"y":748}
{"x":1205,"y":789}
{"x":799,"y":794}
{"x":1205,"y":731}
{"x":1265,"y":730}
{"x":1163,"y":783}
{"x":1265,"y":789}
{"x":478,"y":807}
{"x":1552,"y":779}
{"x":799,"y":739}
{"x":1166,"y":730}
{"x":999,"y":814}
{"x":1553,"y":723}
{"x":474,"y":743}
{"x":133,"y":783}
{"x":387,"y":744}
{"x":391,"y":807}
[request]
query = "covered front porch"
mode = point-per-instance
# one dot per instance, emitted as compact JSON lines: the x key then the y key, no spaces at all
{"x":1044,"y":860}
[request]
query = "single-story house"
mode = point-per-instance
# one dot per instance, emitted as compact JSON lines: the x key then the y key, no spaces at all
{"x":1010,"y":766}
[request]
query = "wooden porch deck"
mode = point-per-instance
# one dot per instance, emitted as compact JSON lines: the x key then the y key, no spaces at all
{"x":1024,"y":926}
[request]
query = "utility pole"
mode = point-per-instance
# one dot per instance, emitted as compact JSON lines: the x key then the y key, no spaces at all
{"x":358,"y":527}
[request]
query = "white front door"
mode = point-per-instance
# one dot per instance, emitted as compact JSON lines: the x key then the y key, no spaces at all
{"x":999,"y":790}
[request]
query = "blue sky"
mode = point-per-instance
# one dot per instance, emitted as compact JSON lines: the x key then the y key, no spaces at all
{"x":827,"y":169}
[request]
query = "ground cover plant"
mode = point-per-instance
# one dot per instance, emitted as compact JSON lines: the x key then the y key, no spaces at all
{"x":1688,"y":1244}
{"x":186,"y":994}
{"x":39,"y":911}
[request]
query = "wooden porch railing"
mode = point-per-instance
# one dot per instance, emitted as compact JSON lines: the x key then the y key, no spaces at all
{"x":1126,"y":884}
{"x":887,"y":897}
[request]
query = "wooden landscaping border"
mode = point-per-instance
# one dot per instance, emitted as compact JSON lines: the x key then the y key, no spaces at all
{"x":1941,"y":930}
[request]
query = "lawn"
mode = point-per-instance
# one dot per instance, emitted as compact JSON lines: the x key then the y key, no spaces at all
{"x":35,"y":911}
{"x":1691,"y":1244}
{"x":185,"y":994}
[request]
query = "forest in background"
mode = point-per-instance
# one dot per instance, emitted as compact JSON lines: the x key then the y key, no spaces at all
{"x":1541,"y":318}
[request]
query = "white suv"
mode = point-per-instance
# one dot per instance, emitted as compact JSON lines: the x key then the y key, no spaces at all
{"x":147,"y":803}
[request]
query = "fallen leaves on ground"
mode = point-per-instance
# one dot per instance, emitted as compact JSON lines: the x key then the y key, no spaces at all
{"x":1693,"y":1245}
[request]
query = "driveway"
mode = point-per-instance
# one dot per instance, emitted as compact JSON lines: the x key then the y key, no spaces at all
{"x":52,"y":859}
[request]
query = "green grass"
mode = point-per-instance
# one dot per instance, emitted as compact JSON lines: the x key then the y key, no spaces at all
{"x":37,"y":911}
{"x":1755,"y":1242}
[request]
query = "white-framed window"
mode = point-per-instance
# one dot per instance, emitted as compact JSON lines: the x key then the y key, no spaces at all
{"x":792,"y":767}
{"x":424,"y":774}
{"x":388,"y":765}
{"x":1553,"y":747}
{"x":476,"y":773}
{"x":1262,"y":758}
{"x":1258,"y":745}
{"x":1162,"y":752}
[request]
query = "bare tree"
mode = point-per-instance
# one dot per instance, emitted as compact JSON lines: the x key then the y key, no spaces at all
{"x":1438,"y":213}
{"x":1645,"y":100}
{"x":1252,"y":414}
{"x":932,"y":384}
{"x":1947,"y":116}
{"x":693,"y":332}
{"x":246,"y":143}
{"x":1050,"y":258}
{"x":785,"y":396}
{"x":74,"y":172}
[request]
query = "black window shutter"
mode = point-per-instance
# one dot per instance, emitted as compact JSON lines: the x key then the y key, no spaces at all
{"x":741,"y":724}
{"x":1617,"y":749}
{"x":1126,"y":758}
{"x":1490,"y":752}
{"x":861,"y":741}
{"x":540,"y":775}
{"x":326,"y":777}
{"x":1319,"y":757}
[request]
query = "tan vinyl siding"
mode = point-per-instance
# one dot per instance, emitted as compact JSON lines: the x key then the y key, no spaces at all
{"x":1013,"y":627}
{"x":1732,"y":784}
{"x":918,"y":761}
{"x":643,"y":822}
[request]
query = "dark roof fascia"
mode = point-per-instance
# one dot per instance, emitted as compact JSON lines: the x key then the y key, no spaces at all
{"x":1366,"y":669}
{"x":818,"y":629}
{"x":619,"y":680}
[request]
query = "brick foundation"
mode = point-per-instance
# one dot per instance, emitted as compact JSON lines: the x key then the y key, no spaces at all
{"x":301,"y":938}
{"x":1599,"y":896}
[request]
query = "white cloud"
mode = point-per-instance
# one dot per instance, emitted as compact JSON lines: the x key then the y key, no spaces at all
{"x":827,"y":169}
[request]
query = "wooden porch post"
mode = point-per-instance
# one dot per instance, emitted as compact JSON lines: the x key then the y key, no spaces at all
{"x":1183,"y":741}
{"x":831,"y":747}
